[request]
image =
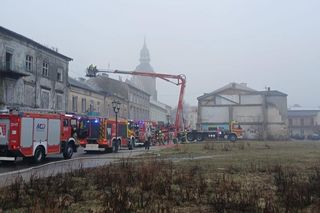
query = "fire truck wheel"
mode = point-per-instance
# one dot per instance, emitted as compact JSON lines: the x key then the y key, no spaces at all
{"x":39,"y":155}
{"x":232,"y":137}
{"x":68,"y":151}
{"x":190,"y":137}
{"x":199,"y":137}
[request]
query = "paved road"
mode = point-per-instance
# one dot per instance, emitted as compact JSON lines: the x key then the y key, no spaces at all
{"x":55,"y":164}
{"x":20,"y":164}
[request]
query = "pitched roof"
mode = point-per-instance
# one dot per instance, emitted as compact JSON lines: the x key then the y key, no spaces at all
{"x":130,"y":84}
{"x":80,"y":84}
{"x":109,"y":86}
{"x":243,"y":87}
{"x":302,"y":113}
{"x":270,"y":93}
{"x":28,"y":40}
{"x":232,"y":85}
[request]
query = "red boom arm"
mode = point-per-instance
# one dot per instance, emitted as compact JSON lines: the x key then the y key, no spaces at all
{"x":181,"y":80}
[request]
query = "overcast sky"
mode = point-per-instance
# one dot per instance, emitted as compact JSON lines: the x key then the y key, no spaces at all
{"x":274,"y":43}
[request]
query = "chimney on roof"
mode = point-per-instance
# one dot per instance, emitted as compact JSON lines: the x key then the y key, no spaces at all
{"x":243,"y":84}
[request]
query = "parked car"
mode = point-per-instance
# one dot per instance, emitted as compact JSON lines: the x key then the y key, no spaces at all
{"x":314,"y":137}
{"x":298,"y":137}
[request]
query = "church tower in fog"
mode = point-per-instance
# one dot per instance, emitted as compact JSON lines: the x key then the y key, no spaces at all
{"x":147,"y":84}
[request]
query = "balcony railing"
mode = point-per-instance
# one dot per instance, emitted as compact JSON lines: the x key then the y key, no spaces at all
{"x":12,"y":70}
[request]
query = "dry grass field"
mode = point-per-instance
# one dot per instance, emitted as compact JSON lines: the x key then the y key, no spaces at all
{"x":244,"y":155}
{"x":246,"y":176}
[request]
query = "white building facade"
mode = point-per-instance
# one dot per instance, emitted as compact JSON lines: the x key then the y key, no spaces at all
{"x":159,"y":112}
{"x":262,"y":114}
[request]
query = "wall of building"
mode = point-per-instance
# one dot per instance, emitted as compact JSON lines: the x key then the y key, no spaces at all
{"x":304,"y":122}
{"x":139,"y":104}
{"x":29,"y":91}
{"x":248,"y":114}
{"x":159,"y":112}
{"x":82,"y":101}
{"x":190,"y":115}
{"x":261,"y":114}
{"x":123,"y":112}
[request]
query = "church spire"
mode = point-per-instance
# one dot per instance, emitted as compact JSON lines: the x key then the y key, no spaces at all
{"x":144,"y":53}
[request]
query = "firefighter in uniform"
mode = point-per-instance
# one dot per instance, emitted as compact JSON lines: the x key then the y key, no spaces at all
{"x":147,"y":141}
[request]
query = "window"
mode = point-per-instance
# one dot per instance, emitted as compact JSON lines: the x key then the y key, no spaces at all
{"x":59,"y":75}
{"x":29,"y":62}
{"x":302,"y":122}
{"x":75,"y":103}
{"x":8,"y":61}
{"x":45,"y":69}
{"x":83,"y":105}
{"x":59,"y":102}
{"x":45,"y":98}
{"x":65,"y":123}
{"x":29,"y":95}
{"x":91,"y":105}
{"x":98,"y":106}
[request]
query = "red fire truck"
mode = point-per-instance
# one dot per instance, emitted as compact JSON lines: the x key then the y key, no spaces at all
{"x":164,"y":133}
{"x":35,"y":135}
{"x":141,"y":127}
{"x":99,"y":134}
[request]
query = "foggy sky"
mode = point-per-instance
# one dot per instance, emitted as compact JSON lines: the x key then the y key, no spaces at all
{"x":273,"y":43}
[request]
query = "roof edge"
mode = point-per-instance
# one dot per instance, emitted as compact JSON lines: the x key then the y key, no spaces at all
{"x":21,"y":37}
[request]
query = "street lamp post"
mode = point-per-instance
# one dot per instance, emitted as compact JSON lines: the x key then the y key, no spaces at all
{"x":116,"y":109}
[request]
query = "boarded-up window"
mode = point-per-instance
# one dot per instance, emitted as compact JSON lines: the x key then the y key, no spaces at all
{"x":45,"y":98}
{"x":10,"y":93}
{"x":59,"y":101}
{"x":29,"y":95}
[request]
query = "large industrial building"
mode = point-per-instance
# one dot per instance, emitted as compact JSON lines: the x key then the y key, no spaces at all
{"x":261,"y":114}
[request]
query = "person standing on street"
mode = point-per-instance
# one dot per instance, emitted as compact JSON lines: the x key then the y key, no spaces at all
{"x":147,"y":139}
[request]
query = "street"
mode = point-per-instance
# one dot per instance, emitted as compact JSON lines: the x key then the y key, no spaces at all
{"x":55,"y":164}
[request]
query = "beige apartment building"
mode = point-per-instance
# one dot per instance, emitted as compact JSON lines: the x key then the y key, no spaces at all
{"x":84,"y":100}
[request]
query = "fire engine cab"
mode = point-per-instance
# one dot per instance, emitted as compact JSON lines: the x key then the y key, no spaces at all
{"x":35,"y":135}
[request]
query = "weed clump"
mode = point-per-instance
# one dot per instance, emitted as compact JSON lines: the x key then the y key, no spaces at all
{"x":158,"y":185}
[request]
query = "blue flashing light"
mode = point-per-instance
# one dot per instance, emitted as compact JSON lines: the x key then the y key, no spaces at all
{"x":96,"y":121}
